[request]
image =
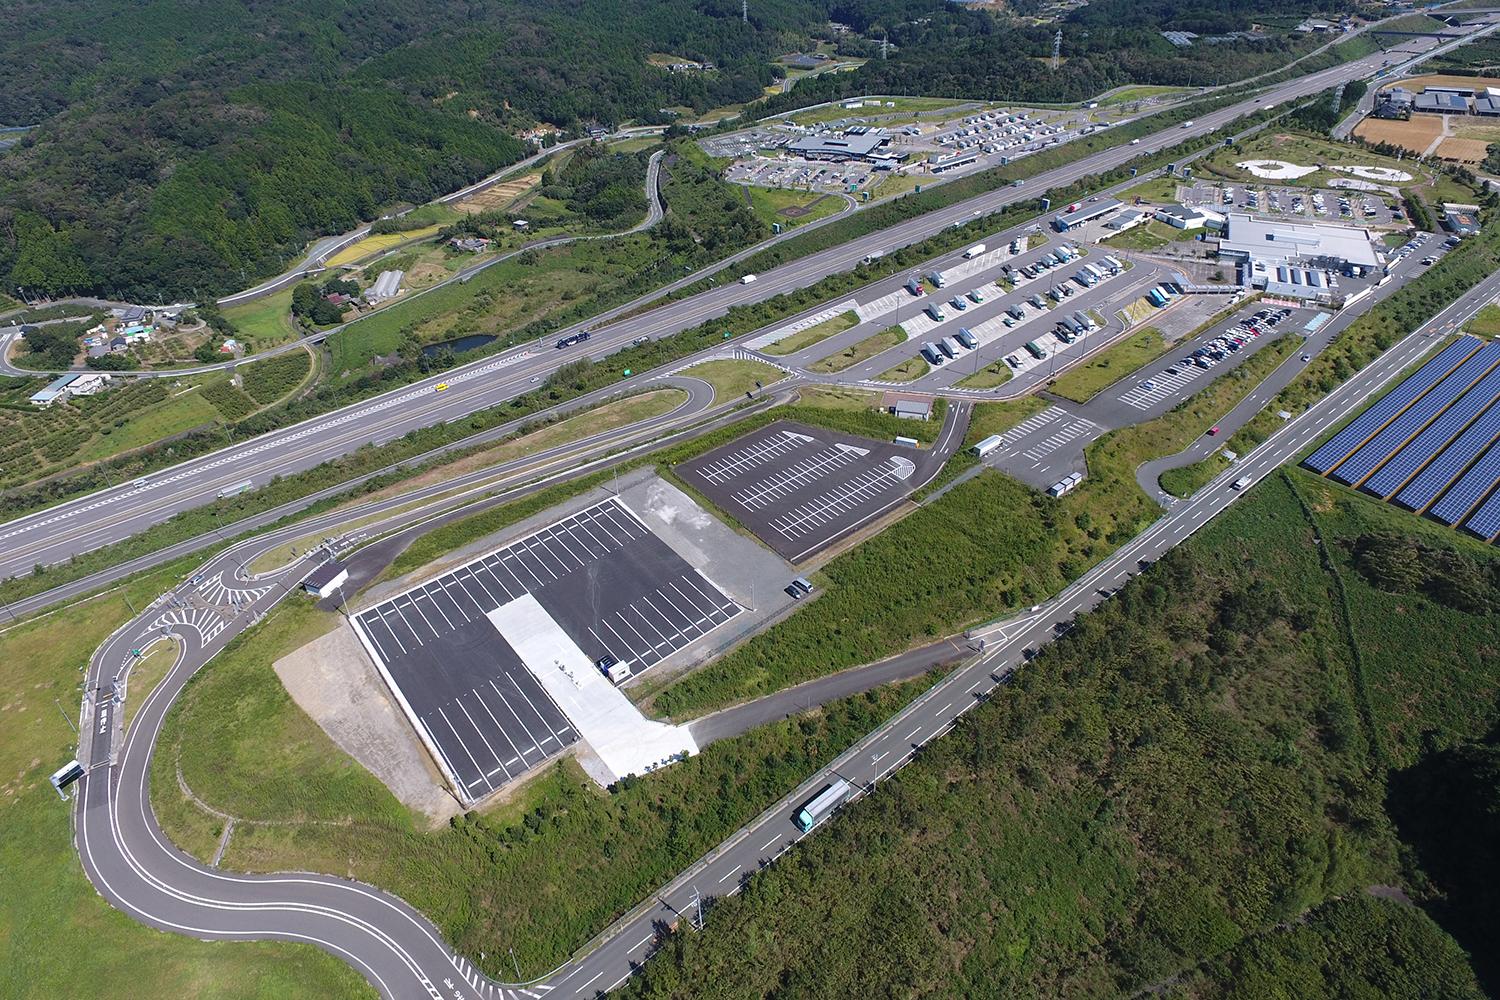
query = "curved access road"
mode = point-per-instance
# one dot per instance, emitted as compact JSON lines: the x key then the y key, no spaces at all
{"x":111,"y":515}
{"x":130,"y":861}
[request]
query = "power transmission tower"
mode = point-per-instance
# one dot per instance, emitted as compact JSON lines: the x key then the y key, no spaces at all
{"x":1057,"y":49}
{"x":745,"y":11}
{"x":885,"y":45}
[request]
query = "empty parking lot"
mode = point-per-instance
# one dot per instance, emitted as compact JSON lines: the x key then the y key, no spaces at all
{"x":606,"y":581}
{"x":801,"y":488}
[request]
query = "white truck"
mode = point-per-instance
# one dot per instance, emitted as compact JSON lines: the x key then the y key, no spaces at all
{"x":974,"y":251}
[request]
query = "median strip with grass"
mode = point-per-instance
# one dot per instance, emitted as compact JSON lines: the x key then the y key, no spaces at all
{"x":1082,"y":382}
{"x":866,"y":349}
{"x":909,"y":370}
{"x":813,"y":334}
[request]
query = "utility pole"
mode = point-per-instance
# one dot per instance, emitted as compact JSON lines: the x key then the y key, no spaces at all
{"x":514,"y":964}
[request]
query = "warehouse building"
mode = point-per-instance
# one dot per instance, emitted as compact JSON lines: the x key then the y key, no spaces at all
{"x":1441,"y":102}
{"x":1310,"y":244}
{"x":839,"y":147}
{"x":1188,"y":217}
{"x":1086,"y":212}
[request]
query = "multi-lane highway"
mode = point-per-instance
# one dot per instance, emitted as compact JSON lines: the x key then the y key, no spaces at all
{"x":130,"y":861}
{"x":111,"y":515}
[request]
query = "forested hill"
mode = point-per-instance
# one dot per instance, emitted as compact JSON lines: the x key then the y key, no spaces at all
{"x":189,"y":147}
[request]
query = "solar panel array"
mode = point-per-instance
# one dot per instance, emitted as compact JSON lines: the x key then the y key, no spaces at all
{"x":1398,"y":433}
{"x":1363,"y":427}
{"x":1469,"y":489}
{"x":1432,"y":444}
{"x":1421,"y":491}
{"x":1486,"y":520}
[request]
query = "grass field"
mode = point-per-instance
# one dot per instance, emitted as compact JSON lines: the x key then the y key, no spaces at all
{"x":372,"y":245}
{"x":1081,"y":382}
{"x":813,"y":334}
{"x":862,"y":351}
{"x":264,"y":322}
{"x":900,"y":105}
{"x":1139,"y":92}
{"x":907,"y":371}
{"x":1189,"y":479}
{"x":595,"y":420}
{"x":732,"y":378}
{"x":1152,"y":236}
{"x":790,"y":208}
{"x":987,"y":377}
{"x":48,"y":907}
{"x":145,"y":674}
{"x":1486,"y":322}
{"x":35,"y":443}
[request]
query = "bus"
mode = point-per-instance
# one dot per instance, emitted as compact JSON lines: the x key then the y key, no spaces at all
{"x":828,"y":799}
{"x":576,"y":338}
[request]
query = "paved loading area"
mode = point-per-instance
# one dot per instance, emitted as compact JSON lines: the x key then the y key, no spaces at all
{"x":801,"y":488}
{"x":603,"y":580}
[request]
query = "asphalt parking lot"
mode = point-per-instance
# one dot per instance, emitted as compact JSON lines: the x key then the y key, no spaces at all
{"x":801,"y":488}
{"x":608,"y":582}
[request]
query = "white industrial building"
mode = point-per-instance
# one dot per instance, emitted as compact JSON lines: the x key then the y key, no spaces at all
{"x":1294,"y":258}
{"x":1188,"y":217}
{"x":1314,"y":244}
{"x":326,"y":579}
{"x":839,"y":147}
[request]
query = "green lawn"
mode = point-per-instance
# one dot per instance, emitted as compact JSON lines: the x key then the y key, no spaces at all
{"x":1157,"y":189}
{"x":988,"y":377}
{"x":813,"y":334}
{"x":1139,"y":92}
{"x":1152,"y":236}
{"x":177,"y":414}
{"x":1486,"y":322}
{"x":1081,"y":382}
{"x":901,"y":105}
{"x":862,"y":351}
{"x":264,"y":322}
{"x":732,"y":378}
{"x":1189,"y":479}
{"x":907,"y":371}
{"x":790,"y":207}
{"x":48,"y":909}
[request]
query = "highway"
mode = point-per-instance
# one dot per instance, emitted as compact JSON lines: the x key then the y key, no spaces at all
{"x":130,"y":861}
{"x":101,"y":518}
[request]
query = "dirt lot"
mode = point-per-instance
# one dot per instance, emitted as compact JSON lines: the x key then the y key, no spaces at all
{"x":1462,"y":150}
{"x":1415,"y":135}
{"x":1416,"y":83}
{"x":499,"y":196}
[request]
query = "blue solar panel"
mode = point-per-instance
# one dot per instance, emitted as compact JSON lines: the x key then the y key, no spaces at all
{"x":1399,"y":431}
{"x":1486,"y":520}
{"x":1367,"y":423}
{"x":1427,"y":444}
{"x":1422,"y":490}
{"x":1470,"y":489}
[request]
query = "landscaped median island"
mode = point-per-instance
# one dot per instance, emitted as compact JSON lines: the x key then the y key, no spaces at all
{"x":1081,"y":382}
{"x":814,"y":334}
{"x":48,"y":902}
{"x":864,"y":350}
